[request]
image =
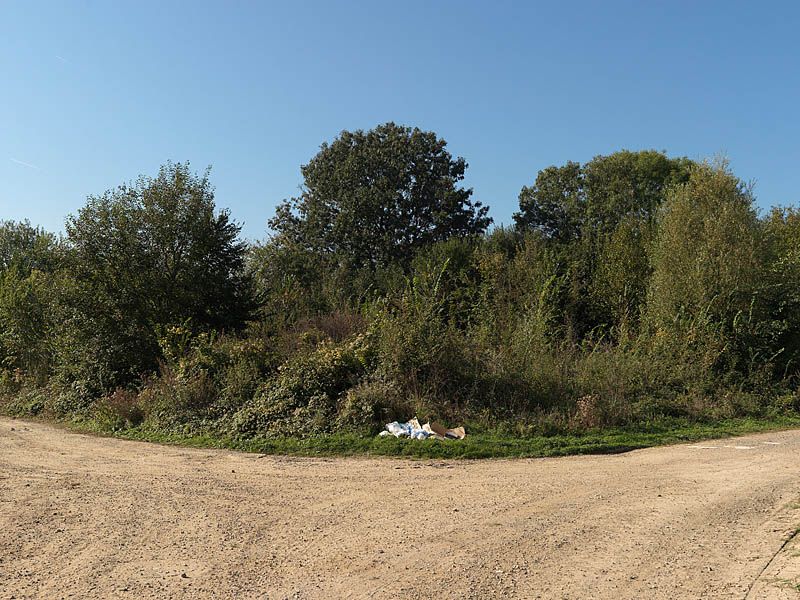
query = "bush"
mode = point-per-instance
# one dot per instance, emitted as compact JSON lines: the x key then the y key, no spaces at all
{"x":305,"y":397}
{"x":637,"y":289}
{"x":25,"y":323}
{"x":119,"y":411}
{"x":171,"y":402}
{"x":371,"y":404}
{"x":23,"y":401}
{"x":708,"y":255}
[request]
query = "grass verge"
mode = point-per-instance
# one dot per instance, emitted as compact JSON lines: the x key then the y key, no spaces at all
{"x":480,"y":445}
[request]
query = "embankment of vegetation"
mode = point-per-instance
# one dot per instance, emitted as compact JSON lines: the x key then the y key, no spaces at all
{"x":637,"y":299}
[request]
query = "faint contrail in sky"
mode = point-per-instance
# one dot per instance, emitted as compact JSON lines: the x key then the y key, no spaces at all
{"x":62,"y":59}
{"x":24,"y":164}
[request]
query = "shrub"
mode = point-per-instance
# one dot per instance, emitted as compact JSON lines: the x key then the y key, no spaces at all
{"x":371,"y":404}
{"x":25,"y":323}
{"x":305,"y":396}
{"x":708,"y":253}
{"x":119,"y":410}
{"x":22,"y":401}
{"x":171,"y":402}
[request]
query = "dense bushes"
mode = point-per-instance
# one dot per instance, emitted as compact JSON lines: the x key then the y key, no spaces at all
{"x":306,"y":394}
{"x":634,"y":289}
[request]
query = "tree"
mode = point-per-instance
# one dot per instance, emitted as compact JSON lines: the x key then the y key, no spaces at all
{"x":160,"y":244}
{"x":371,"y":199}
{"x":28,"y":258}
{"x":24,"y":322}
{"x":572,"y":201}
{"x":619,"y":283}
{"x":782,"y":229}
{"x":554,"y":203}
{"x":144,"y":256}
{"x":593,"y":212}
{"x":708,"y":254}
{"x":27,"y":248}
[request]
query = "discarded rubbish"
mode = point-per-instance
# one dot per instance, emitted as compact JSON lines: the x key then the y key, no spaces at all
{"x":414,"y":430}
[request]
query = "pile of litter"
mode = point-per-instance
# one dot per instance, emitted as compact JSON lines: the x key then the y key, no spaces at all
{"x":414,"y":430}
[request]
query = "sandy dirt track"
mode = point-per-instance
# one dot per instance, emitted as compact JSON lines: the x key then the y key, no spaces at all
{"x":88,"y":517}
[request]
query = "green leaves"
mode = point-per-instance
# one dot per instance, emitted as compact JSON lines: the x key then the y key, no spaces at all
{"x":576,"y":200}
{"x":144,"y":256}
{"x":589,"y":212}
{"x":708,"y":254}
{"x":25,"y":322}
{"x":635,"y":286}
{"x":372,"y":199}
{"x":159,"y":248}
{"x":25,"y":248}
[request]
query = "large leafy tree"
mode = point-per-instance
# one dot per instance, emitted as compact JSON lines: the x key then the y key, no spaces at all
{"x":374,"y":198}
{"x":144,"y":256}
{"x":160,"y":244}
{"x":28,"y":248}
{"x":555,"y":203}
{"x":28,"y":258}
{"x":576,"y":200}
{"x":708,"y":255}
{"x":600,"y":216}
{"x":711,"y":274}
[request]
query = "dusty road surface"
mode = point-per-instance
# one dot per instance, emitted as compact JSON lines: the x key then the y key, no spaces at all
{"x":87,"y":517}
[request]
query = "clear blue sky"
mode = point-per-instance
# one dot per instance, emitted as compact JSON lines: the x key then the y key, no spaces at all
{"x":95,"y":93}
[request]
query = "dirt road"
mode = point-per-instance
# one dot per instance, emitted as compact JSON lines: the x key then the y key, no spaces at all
{"x":88,"y":517}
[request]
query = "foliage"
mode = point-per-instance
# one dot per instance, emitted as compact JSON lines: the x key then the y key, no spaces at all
{"x":599,"y":216}
{"x":305,"y":396}
{"x":27,"y":248}
{"x":636,"y":292}
{"x":119,"y":411}
{"x":24,"y":321}
{"x":619,"y":285}
{"x":142,"y":257}
{"x":707,"y":254}
{"x":575,"y":200}
{"x":98,"y":343}
{"x":172,"y":402}
{"x":159,"y":247}
{"x":374,"y":198}
{"x":782,"y":288}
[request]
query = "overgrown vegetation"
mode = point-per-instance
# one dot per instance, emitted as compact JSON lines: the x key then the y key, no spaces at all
{"x":636,"y":295}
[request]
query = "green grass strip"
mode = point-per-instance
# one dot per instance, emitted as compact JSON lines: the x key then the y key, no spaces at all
{"x":477,"y":446}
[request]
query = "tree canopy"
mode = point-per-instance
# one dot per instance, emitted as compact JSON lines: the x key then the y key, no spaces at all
{"x":160,"y":245}
{"x":27,"y":247}
{"x":374,"y":198}
{"x":635,"y":289}
{"x":144,"y":257}
{"x":572,"y":200}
